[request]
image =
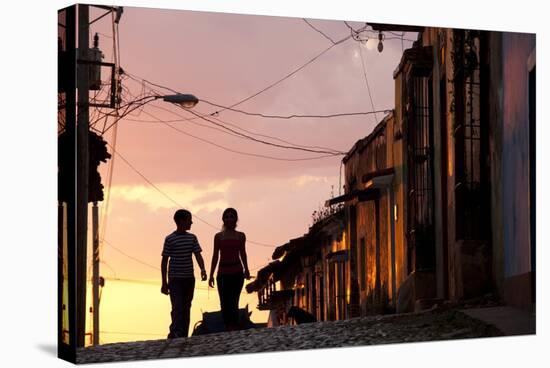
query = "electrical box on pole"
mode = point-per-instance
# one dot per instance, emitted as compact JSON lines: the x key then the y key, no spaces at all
{"x":95,"y":56}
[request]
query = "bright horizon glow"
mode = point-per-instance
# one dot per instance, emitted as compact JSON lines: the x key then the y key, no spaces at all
{"x":118,"y":322}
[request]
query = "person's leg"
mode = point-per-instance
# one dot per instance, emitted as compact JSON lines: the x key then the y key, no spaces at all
{"x":176,"y":299}
{"x":234,"y":293}
{"x":222,"y":292}
{"x":188,"y":288}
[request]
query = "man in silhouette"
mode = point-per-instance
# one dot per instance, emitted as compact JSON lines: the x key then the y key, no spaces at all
{"x":180,"y":284}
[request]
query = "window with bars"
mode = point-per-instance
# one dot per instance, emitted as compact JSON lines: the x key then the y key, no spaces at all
{"x":419,"y":125}
{"x":469,"y":134}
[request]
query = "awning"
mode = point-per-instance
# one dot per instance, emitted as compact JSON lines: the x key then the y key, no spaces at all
{"x":338,"y":256}
{"x":262,"y":276}
{"x":355,"y":196}
{"x":378,"y":173}
{"x":292,"y":245}
{"x":378,"y":179}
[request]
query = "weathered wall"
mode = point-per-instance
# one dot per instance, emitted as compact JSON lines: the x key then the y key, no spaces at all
{"x":495,"y":157}
{"x":516,"y":49}
{"x":515,"y":52}
{"x":453,"y":257}
{"x":399,"y":165}
{"x":383,"y":254}
{"x":431,"y":39}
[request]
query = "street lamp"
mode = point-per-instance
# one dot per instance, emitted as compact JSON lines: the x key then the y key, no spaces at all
{"x":381,"y":38}
{"x":185,"y":100}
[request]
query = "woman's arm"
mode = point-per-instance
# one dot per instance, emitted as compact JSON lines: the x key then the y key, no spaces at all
{"x":214,"y":260}
{"x":242,"y":253}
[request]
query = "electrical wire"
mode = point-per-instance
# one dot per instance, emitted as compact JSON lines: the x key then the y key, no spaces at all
{"x":240,"y":152}
{"x":132,"y":258}
{"x":230,"y":108}
{"x":355,"y":34}
{"x":145,"y":282}
{"x":319,"y":31}
{"x":367,"y":81}
{"x":265,"y":142}
{"x":110,"y":267}
{"x":174,"y":202}
{"x":156,"y":122}
{"x":279,"y":80}
{"x":218,"y":129}
{"x":232,"y":132}
{"x":293,"y":115}
{"x":271,"y":137}
{"x":130,"y":109}
{"x":155,"y":283}
{"x":203,"y":115}
{"x":107,"y":201}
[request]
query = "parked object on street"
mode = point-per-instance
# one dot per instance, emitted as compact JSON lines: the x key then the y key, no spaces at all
{"x":212,"y":322}
{"x":300,"y":316}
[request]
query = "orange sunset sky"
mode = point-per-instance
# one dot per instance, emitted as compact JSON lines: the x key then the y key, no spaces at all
{"x":224,"y":58}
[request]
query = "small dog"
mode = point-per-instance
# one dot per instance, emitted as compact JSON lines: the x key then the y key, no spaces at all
{"x":300,"y":316}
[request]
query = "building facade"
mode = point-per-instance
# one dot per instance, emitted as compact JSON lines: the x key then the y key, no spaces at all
{"x":439,"y":200}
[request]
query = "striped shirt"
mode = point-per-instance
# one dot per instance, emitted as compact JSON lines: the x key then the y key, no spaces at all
{"x":180,"y":248}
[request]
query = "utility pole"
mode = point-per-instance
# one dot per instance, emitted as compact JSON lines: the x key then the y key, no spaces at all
{"x":65,"y":351}
{"x":95,"y":274}
{"x":82,"y":157}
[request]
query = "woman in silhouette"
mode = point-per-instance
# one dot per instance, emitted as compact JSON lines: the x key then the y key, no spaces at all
{"x":229,"y":249}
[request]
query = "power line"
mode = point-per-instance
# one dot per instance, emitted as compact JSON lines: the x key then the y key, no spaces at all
{"x":293,"y":115}
{"x":128,"y":110}
{"x":333,"y":152}
{"x":180,"y":121}
{"x":110,"y":267}
{"x":158,"y":121}
{"x":217,"y":129}
{"x":268,"y":116}
{"x":141,"y":262}
{"x":155,"y":283}
{"x":172,"y":200}
{"x":324,"y":35}
{"x":367,"y":81}
{"x":355,"y":33}
{"x":184,"y":119}
{"x":240,"y":152}
{"x":279,"y":80}
{"x":265,"y":142}
{"x":272,"y":137}
{"x":129,"y":256}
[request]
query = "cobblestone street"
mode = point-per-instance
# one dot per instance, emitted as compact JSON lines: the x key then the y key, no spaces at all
{"x":415,"y":327}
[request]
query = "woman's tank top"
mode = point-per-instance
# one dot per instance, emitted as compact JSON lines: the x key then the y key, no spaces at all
{"x":230,"y":262}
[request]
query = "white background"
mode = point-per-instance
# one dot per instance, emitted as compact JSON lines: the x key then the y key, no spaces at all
{"x":28,"y":181}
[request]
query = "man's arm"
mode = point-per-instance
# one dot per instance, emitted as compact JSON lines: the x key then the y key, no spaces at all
{"x":163,"y":270}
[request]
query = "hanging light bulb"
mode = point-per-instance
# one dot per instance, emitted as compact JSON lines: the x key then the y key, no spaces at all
{"x":380,"y":39}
